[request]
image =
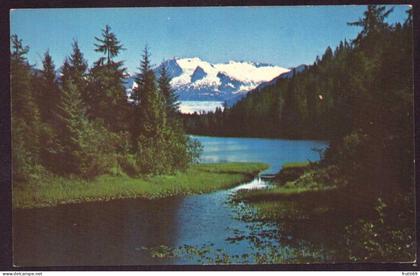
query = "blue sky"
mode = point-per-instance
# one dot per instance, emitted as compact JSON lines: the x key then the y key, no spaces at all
{"x":285,"y":36}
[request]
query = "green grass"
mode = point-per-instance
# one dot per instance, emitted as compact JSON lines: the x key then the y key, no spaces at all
{"x":279,"y":203}
{"x":295,"y":164}
{"x":309,"y":194}
{"x":199,"y":178}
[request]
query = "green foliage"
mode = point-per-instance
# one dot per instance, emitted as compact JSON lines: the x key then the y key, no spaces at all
{"x":83,"y":147}
{"x":107,"y":99}
{"x":75,"y":69}
{"x":108,"y":45}
{"x":47,"y":98}
{"x":129,"y":164}
{"x":25,"y":115}
{"x":291,"y":171}
{"x":85,"y":123}
{"x":99,"y":150}
{"x":348,"y":155}
{"x":158,"y":140}
{"x":194,"y":150}
{"x":71,"y":117}
{"x":373,"y":240}
{"x":25,"y":152}
{"x":171,"y":100}
{"x":47,"y":94}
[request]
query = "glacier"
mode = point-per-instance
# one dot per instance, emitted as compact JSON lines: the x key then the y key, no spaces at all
{"x":194,"y":79}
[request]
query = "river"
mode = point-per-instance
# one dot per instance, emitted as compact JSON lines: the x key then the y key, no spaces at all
{"x":117,"y":232}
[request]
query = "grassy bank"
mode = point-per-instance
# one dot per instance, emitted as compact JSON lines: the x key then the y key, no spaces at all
{"x":315,"y":204}
{"x":299,"y":191}
{"x":199,"y":178}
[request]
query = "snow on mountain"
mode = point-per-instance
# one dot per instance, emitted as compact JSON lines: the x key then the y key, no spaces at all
{"x":201,"y":80}
{"x":194,"y":79}
{"x":197,"y":80}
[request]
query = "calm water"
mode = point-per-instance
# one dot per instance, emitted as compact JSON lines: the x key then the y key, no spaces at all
{"x":115,"y":233}
{"x":274,"y":152}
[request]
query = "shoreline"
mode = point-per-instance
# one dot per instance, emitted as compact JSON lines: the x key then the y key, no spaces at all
{"x":198,"y":179}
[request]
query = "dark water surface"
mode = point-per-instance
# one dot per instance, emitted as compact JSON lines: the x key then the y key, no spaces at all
{"x":115,"y":232}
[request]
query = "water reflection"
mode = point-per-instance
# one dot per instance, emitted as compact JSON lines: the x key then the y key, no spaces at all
{"x":205,"y":219}
{"x":114,"y":233}
{"x":275,"y":152}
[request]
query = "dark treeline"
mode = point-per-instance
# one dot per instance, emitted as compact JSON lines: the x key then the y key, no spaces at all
{"x":82,"y":123}
{"x":360,"y":98}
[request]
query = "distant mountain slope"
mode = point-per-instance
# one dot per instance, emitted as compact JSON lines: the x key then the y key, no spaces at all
{"x":287,"y":75}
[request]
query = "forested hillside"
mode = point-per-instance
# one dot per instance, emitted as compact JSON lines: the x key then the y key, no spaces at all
{"x":82,"y":124}
{"x":365,"y":83}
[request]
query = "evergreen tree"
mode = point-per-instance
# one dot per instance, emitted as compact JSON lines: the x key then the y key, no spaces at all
{"x":84,"y":148}
{"x":65,"y":71}
{"x":159,"y":142}
{"x":25,"y":114}
{"x":74,"y":69}
{"x":109,"y":45}
{"x":374,"y":28}
{"x":150,"y":123}
{"x":373,"y":21}
{"x":182,"y":150}
{"x":107,"y":96}
{"x":47,"y":96}
{"x":147,"y":99}
{"x":71,"y":114}
{"x":48,"y":90}
{"x":171,"y":100}
{"x":78,"y":65}
{"x":23,"y":104}
{"x":144,"y":82}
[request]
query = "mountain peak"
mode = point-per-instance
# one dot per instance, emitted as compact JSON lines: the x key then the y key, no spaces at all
{"x":198,"y":74}
{"x":197,"y":79}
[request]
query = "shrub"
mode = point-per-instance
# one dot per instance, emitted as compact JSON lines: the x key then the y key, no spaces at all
{"x":375,"y":240}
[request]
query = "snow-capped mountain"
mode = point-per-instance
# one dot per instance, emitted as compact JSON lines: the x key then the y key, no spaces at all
{"x":194,"y":79}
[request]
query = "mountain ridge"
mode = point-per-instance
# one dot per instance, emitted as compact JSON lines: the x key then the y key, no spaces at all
{"x":194,"y":79}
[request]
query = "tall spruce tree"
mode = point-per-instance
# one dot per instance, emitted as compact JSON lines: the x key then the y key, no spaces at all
{"x":171,"y":100}
{"x":108,"y":99}
{"x":48,"y":90}
{"x":25,"y":113}
{"x":374,"y":27}
{"x":150,"y":121}
{"x":71,"y":114}
{"x":78,"y":65}
{"x":83,"y":147}
{"x":75,"y":69}
{"x":109,"y":45}
{"x":47,"y":95}
{"x":23,"y":103}
{"x":149,"y":103}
